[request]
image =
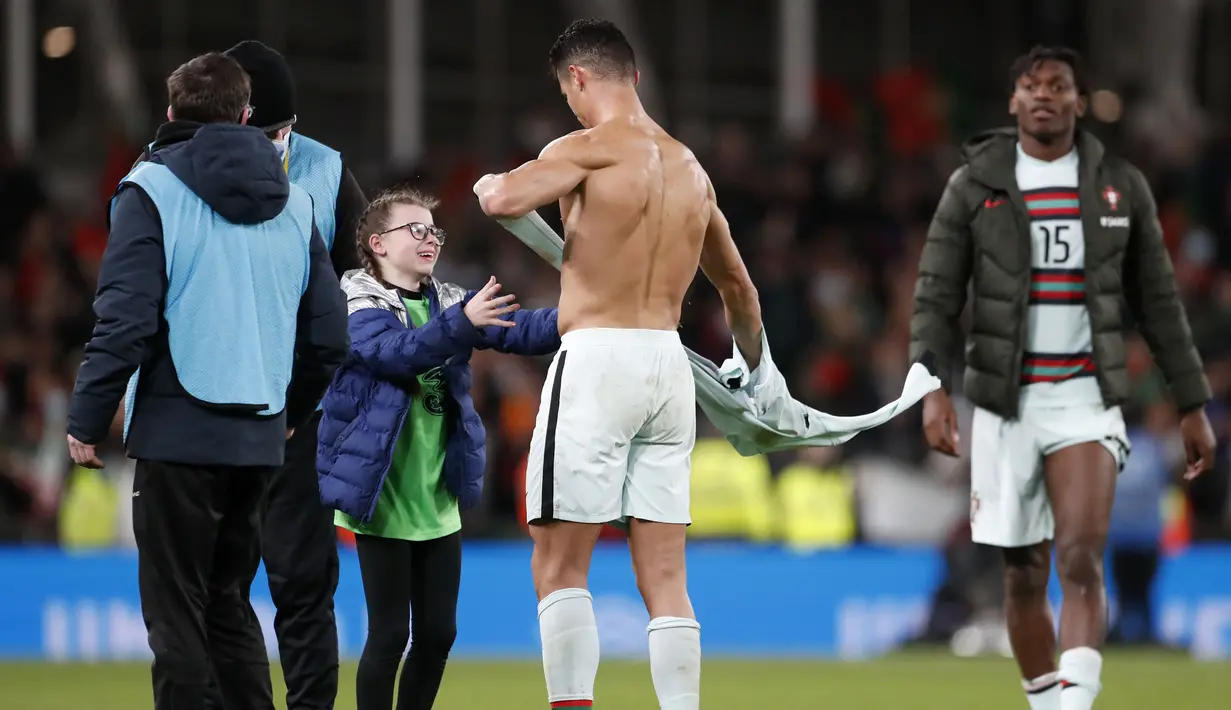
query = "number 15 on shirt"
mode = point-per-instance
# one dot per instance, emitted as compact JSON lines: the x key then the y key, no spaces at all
{"x":1056,"y":245}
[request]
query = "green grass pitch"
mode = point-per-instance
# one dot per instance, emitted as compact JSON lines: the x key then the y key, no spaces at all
{"x":920,"y":681}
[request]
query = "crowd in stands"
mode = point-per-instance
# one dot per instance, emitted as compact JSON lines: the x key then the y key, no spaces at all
{"x":831,"y":228}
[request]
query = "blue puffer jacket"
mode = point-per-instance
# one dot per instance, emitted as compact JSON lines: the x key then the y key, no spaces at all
{"x":365,"y":407}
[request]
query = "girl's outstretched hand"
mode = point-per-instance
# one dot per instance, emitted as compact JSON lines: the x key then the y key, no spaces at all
{"x":486,"y":308}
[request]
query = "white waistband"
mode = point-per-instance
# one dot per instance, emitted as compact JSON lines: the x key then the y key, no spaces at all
{"x":619,"y":336}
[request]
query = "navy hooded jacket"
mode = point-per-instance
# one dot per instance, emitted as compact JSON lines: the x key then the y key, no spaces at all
{"x":237,"y":172}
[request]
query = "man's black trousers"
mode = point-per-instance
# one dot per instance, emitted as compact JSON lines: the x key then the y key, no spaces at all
{"x":198,"y":547}
{"x":300,"y":549}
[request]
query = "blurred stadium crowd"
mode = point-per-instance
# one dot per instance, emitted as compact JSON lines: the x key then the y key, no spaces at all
{"x":831,"y":228}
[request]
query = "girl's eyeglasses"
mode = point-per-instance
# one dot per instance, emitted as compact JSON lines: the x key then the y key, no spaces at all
{"x":420,"y":231}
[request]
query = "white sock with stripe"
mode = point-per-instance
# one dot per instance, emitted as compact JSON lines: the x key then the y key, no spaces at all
{"x":1043,"y":693}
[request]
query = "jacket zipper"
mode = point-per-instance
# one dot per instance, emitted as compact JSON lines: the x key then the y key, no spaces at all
{"x":1023,"y":328}
{"x":1023,"y":334}
{"x":1085,"y":235}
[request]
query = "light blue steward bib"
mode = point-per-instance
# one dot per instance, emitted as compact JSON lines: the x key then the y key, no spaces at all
{"x":317,"y":168}
{"x":233,"y":294}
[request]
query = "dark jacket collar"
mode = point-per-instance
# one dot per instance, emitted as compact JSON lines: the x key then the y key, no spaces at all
{"x":411,"y":295}
{"x":169,"y":134}
{"x":173,"y":132}
{"x":992,"y":156}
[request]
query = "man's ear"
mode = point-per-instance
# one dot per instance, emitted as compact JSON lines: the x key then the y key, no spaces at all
{"x":1012,"y":105}
{"x":170,"y":116}
{"x":243,"y":116}
{"x":1082,"y":104}
{"x":637,"y":78}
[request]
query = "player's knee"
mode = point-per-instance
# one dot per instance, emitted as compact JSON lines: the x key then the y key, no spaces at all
{"x":661,"y":583}
{"x":1080,"y":564}
{"x":658,"y":574}
{"x":556,"y":574}
{"x":554,"y":571}
{"x":1025,"y":579}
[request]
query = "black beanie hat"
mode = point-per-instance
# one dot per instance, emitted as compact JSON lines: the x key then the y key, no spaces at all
{"x":273,"y":87}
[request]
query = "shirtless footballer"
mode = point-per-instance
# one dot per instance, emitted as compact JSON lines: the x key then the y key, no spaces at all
{"x":617,"y":424}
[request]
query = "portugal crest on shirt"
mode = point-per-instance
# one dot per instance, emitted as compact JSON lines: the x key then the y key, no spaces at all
{"x":1112,"y":197}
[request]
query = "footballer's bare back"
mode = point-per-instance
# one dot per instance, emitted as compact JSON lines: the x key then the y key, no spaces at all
{"x":634,"y":227}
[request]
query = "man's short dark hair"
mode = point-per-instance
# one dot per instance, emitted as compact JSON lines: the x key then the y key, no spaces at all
{"x":211,"y":88}
{"x":1028,"y":62}
{"x":597,"y":45}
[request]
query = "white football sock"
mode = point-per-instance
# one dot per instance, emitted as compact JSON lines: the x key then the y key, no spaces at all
{"x":1043,"y":693}
{"x":570,"y":647}
{"x":1079,"y":677}
{"x":675,"y":662}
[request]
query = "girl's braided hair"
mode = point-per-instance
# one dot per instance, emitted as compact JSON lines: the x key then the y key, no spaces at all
{"x":375,"y":219}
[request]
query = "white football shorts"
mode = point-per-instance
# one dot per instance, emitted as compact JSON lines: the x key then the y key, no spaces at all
{"x":615,"y":430}
{"x":1009,"y":505}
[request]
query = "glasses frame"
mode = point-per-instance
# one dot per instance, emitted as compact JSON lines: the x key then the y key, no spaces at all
{"x":440,"y":234}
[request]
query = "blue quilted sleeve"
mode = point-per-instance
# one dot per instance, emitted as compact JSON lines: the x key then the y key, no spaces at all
{"x":536,"y":333}
{"x":390,"y":349}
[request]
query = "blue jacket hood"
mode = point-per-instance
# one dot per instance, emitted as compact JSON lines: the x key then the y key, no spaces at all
{"x":234,"y":169}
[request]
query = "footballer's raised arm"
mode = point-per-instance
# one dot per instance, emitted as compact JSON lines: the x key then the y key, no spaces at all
{"x":724,"y":267}
{"x":560,"y":168}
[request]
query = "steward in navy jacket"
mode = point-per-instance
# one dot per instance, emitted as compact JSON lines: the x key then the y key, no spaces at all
{"x":236,"y":171}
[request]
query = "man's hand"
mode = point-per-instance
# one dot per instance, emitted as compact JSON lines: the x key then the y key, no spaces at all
{"x":481,"y":186}
{"x":1199,"y":444}
{"x":487,"y":190}
{"x":83,"y":454}
{"x":485,"y":309}
{"x":749,"y":344}
{"x":940,"y":423}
